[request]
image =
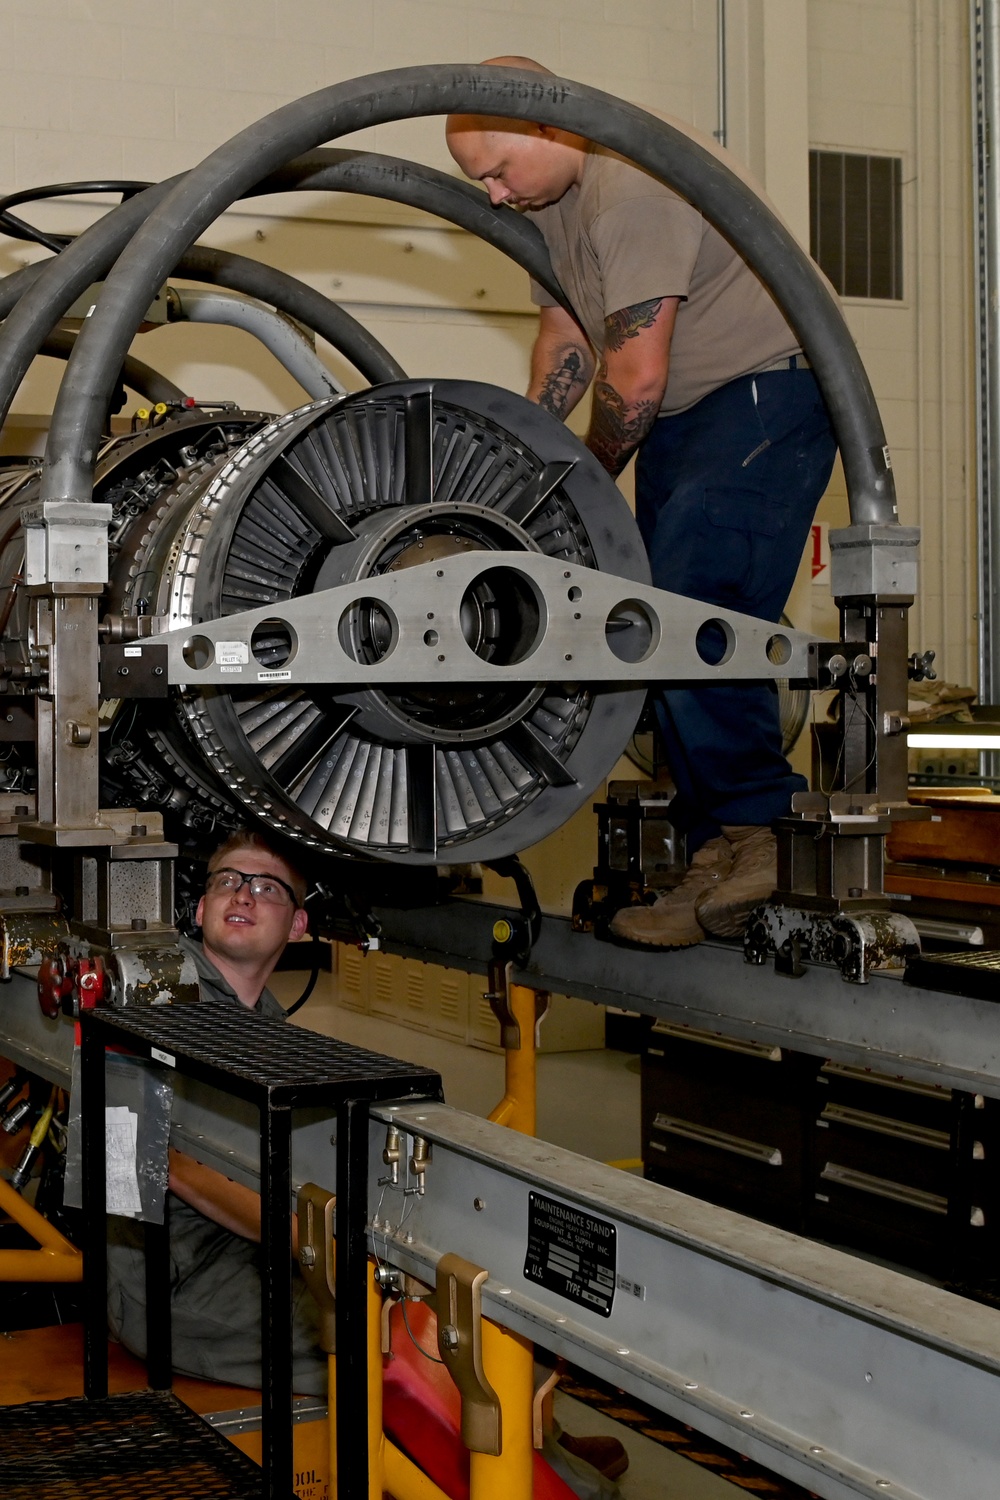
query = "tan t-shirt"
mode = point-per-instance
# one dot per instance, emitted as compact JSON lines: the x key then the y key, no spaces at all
{"x":622,"y":237}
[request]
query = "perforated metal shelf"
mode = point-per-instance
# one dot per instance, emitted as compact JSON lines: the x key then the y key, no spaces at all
{"x":145,"y":1443}
{"x":264,"y":1061}
{"x":973,"y":972}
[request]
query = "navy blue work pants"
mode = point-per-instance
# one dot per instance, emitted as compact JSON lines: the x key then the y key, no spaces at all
{"x":725,"y":496}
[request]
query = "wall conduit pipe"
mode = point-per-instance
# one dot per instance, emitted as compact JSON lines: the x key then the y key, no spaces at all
{"x":283,"y":338}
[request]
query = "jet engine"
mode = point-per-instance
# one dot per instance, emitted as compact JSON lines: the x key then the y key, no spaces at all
{"x":217,"y":511}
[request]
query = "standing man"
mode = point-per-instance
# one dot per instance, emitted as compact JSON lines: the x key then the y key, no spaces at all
{"x":694,"y":367}
{"x":252,"y":907}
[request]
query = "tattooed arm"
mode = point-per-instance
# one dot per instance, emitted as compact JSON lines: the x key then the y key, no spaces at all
{"x":562,"y":364}
{"x":631,"y":379}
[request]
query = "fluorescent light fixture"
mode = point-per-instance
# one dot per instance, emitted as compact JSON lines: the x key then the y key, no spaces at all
{"x":955,"y":737}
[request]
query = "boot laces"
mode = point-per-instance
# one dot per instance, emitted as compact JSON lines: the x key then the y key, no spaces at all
{"x":712,"y":863}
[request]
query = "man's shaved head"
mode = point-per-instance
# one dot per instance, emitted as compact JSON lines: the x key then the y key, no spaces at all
{"x":517,"y":62}
{"x":481,"y":124}
{"x":520,"y":162}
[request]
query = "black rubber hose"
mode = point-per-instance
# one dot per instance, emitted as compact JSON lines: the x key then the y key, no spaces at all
{"x":19,"y":230}
{"x":54,"y":285}
{"x":661,"y":148}
{"x":36,"y":297}
{"x":137,"y":375}
{"x":332,"y":322}
{"x":425,"y":188}
{"x":367,"y":172}
{"x":310,"y":986}
{"x":344,"y":171}
{"x":14,"y":286}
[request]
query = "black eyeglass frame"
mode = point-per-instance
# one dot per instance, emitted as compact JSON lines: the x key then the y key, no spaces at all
{"x":247,"y":880}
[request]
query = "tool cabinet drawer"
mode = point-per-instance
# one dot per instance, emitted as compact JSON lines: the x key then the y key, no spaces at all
{"x":725,"y":1120}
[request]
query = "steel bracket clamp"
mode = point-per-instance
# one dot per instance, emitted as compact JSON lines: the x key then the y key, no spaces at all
{"x":317,"y":1257}
{"x":460,"y":1342}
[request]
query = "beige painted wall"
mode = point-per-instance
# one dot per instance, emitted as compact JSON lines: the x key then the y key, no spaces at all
{"x":891,"y":75}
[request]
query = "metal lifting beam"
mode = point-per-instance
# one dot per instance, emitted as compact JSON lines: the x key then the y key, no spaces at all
{"x":588,"y":625}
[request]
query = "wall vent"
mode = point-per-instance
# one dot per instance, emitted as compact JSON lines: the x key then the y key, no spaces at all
{"x":855,"y":222}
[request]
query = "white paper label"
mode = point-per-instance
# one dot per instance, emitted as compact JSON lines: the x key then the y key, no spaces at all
{"x":232,"y":653}
{"x":163,"y":1057}
{"x":121,"y":1132}
{"x":230,"y":669}
{"x":274,"y":676}
{"x":132,"y":651}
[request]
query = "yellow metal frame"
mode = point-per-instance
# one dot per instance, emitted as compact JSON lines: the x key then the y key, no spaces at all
{"x":518,"y":1107}
{"x":54,"y":1260}
{"x":508,"y":1359}
{"x":508,"y":1362}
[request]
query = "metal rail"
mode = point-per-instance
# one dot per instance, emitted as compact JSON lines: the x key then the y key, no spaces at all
{"x":886,"y":1025}
{"x":847,"y":1378}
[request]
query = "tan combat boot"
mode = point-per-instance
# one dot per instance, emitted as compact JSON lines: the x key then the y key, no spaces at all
{"x":723,"y":909}
{"x":671,"y":922}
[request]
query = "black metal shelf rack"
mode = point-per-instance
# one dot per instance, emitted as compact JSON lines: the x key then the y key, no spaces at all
{"x":277,"y":1068}
{"x":145,"y":1443}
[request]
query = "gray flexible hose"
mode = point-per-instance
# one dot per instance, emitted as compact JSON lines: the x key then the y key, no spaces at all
{"x":426,"y":188}
{"x":296,"y":299}
{"x":282,"y":337}
{"x":661,"y":148}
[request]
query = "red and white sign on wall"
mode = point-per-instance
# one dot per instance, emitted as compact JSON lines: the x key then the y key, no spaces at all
{"x":820,"y":555}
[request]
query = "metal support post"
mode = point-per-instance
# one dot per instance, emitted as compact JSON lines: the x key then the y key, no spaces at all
{"x":518,"y":1009}
{"x":376,"y":1436}
{"x":64,"y":635}
{"x":508,"y":1361}
{"x":829,"y":905}
{"x":159,"y":1333}
{"x":276,"y":1300}
{"x":873,"y":711}
{"x":66,"y":568}
{"x":95,"y":1244}
{"x":517,"y":1108}
{"x":352,"y":1298}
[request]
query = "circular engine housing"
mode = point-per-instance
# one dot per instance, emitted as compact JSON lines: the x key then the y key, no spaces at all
{"x":213,"y":516}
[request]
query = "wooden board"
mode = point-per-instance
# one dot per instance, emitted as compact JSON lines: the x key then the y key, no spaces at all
{"x":963,"y":831}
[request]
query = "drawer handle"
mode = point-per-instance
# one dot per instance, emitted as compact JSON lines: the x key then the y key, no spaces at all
{"x":884,"y":1081}
{"x":706,"y":1136}
{"x":677,"y":1033}
{"x":900,"y":1130}
{"x":882,"y":1187}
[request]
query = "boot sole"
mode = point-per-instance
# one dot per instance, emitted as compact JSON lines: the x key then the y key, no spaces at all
{"x":656,"y":942}
{"x":730,"y":921}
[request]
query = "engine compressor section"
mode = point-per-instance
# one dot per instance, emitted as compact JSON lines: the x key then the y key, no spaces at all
{"x":217,"y":512}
